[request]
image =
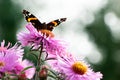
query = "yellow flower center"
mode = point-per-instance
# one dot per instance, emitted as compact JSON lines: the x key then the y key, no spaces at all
{"x":1,"y":64}
{"x":79,"y":68}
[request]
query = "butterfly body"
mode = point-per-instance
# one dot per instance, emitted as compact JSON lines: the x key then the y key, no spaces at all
{"x":41,"y":26}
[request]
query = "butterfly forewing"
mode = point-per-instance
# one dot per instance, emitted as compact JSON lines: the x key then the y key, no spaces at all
{"x":33,"y":19}
{"x":55,"y":23}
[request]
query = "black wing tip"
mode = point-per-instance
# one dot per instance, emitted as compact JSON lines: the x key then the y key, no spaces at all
{"x":25,"y":11}
{"x":63,"y":19}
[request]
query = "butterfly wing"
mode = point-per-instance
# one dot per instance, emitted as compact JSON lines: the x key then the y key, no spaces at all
{"x":33,"y":19}
{"x":55,"y":23}
{"x":38,"y":25}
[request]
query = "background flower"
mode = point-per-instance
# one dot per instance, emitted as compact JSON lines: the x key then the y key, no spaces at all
{"x":75,"y":70}
{"x":9,"y":56}
{"x":11,"y":60}
{"x":8,"y":62}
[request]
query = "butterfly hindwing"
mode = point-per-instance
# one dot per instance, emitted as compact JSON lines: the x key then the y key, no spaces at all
{"x":38,"y":25}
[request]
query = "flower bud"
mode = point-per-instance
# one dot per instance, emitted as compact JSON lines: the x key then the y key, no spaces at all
{"x":22,"y":77}
{"x":43,"y":73}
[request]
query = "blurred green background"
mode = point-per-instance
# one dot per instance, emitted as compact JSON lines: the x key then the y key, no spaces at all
{"x":93,"y":27}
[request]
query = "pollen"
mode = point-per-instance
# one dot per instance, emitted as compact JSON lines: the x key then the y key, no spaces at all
{"x":47,"y":33}
{"x":2,"y":64}
{"x":79,"y":68}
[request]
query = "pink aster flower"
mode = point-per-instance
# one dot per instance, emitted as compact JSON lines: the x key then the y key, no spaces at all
{"x":9,"y":56}
{"x":8,"y":61}
{"x":76,"y":70}
{"x":29,"y":73}
{"x":16,"y":49}
{"x":35,"y":38}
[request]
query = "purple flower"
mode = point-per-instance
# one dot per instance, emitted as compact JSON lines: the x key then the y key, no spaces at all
{"x":29,"y":73}
{"x":35,"y":38}
{"x":11,"y":61}
{"x":16,"y":49}
{"x":8,"y":61}
{"x":75,"y":70}
{"x":9,"y":56}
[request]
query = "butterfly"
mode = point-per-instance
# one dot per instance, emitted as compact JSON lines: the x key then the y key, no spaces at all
{"x":42,"y":26}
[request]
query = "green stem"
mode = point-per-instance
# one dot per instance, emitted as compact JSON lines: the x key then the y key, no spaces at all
{"x":39,"y":61}
{"x":39,"y":57}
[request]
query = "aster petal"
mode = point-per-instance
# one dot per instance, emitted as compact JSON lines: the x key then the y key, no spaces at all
{"x":17,"y":49}
{"x":3,"y":43}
